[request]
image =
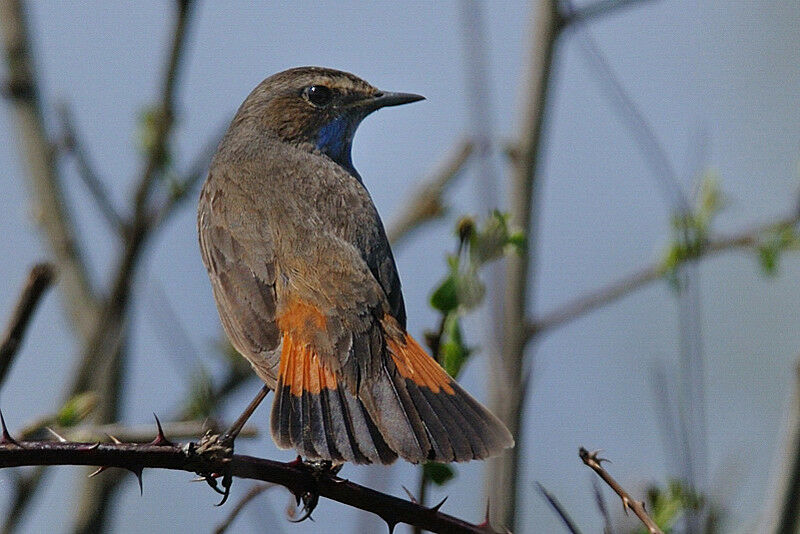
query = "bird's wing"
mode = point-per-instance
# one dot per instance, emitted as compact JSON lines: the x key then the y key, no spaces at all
{"x":378,"y":255}
{"x":241,"y":268}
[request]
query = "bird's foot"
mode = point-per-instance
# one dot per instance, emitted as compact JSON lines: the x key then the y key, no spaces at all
{"x":217,"y":448}
{"x":320,"y":468}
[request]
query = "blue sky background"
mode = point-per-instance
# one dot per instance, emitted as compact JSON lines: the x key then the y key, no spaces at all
{"x":726,"y":73}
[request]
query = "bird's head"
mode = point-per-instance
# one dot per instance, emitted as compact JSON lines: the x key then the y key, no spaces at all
{"x":317,"y":108}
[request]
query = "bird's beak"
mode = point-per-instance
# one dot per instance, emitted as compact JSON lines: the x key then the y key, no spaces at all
{"x":385,"y":99}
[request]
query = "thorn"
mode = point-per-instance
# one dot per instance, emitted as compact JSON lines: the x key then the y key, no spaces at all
{"x":115,"y":440}
{"x":436,"y":508}
{"x":297,"y":462}
{"x":6,"y":437}
{"x":625,"y":505}
{"x":91,"y":447}
{"x":138,"y":472}
{"x":59,"y":437}
{"x":594,"y":456}
{"x":160,"y":439}
{"x":410,"y":496}
{"x":97,"y":471}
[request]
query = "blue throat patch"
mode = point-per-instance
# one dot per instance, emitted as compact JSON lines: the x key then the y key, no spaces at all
{"x":335,"y":139}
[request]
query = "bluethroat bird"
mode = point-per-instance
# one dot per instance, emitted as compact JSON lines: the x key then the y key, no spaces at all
{"x":307,"y":288}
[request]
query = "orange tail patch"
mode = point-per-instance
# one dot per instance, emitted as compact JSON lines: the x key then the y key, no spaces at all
{"x":415,"y":364}
{"x":301,"y":369}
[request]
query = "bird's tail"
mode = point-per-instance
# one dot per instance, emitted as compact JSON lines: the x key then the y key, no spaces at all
{"x":408,"y":406}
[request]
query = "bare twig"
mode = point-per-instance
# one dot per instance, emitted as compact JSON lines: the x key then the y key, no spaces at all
{"x":746,"y":239}
{"x":569,"y":524}
{"x":306,"y":484}
{"x":74,"y":145}
{"x":39,"y":279}
{"x":254,"y":492}
{"x":628,"y":503}
{"x":51,"y":211}
{"x":427,"y":203}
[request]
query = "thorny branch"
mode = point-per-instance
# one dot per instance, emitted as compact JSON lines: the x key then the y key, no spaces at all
{"x":305,"y":483}
{"x":628,"y":503}
{"x":39,"y":279}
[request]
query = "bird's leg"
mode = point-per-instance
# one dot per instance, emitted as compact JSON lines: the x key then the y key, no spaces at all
{"x":222,"y":445}
{"x":227,"y":438}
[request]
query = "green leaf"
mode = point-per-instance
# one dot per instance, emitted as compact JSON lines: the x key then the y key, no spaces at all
{"x":150,"y":121}
{"x":453,"y":351}
{"x":445,"y":297}
{"x":438,"y":473}
{"x":768,"y":258}
{"x":76,"y":409}
{"x":469,"y":289}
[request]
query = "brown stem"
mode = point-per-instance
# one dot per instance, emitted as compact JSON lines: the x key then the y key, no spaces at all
{"x":506,"y":385}
{"x":51,"y":211}
{"x":39,"y":279}
{"x":628,"y":502}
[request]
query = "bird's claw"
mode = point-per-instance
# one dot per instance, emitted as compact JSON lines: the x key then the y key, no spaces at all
{"x":318,"y":469}
{"x":218,"y":448}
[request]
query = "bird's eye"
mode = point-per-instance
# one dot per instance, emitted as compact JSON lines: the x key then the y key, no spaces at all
{"x":319,"y":95}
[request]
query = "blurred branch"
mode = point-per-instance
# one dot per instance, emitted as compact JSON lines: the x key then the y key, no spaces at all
{"x":51,"y":212}
{"x":569,"y":524}
{"x":254,"y":492}
{"x":21,"y":492}
{"x":580,"y":306}
{"x":306,"y":484}
{"x":426,"y":202}
{"x":628,"y":503}
{"x":597,"y":9}
{"x":131,"y":433}
{"x":198,"y":170}
{"x":102,"y":364}
{"x":782,"y":510}
{"x":39,"y":279}
{"x":166,"y":111}
{"x":506,"y":384}
{"x":600,"y":502}
{"x":92,"y":181}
